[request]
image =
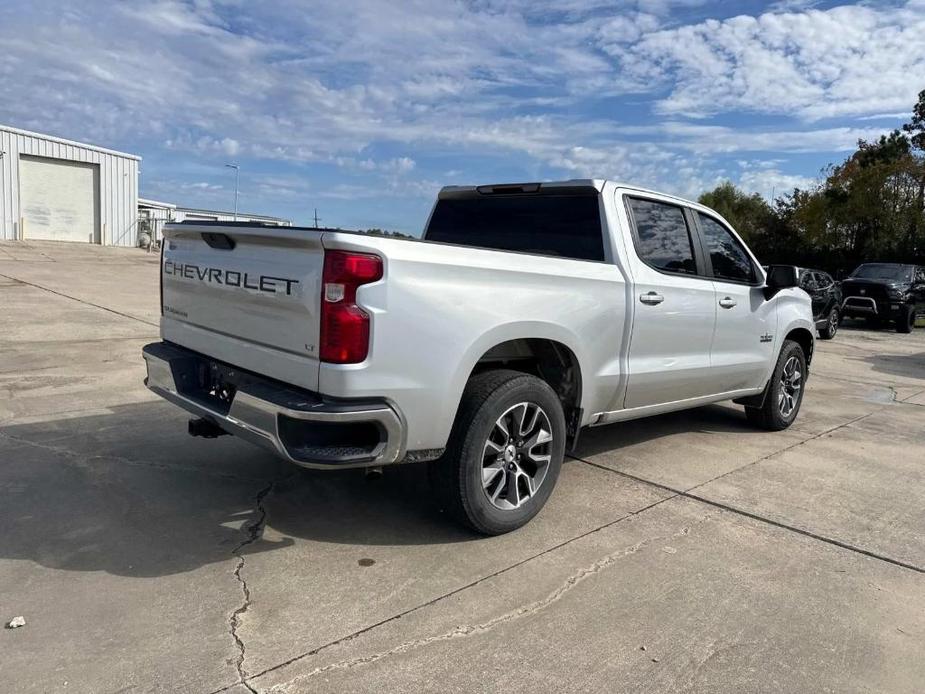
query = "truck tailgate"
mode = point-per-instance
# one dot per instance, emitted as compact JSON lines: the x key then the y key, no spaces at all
{"x":246,"y":295}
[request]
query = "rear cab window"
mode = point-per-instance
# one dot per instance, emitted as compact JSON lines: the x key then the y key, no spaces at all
{"x":558,"y":225}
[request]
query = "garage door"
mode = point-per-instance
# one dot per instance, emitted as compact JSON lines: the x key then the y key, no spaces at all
{"x":59,"y":199}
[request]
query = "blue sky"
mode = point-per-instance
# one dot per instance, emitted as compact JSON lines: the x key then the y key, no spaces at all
{"x":364,"y":108}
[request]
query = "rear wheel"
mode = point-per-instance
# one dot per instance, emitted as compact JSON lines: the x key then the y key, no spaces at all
{"x":785,"y":391}
{"x":504,"y":453}
{"x":831,"y":325}
{"x":905,"y":322}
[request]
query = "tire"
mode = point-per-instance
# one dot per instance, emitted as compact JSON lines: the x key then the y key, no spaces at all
{"x":905,"y":322}
{"x":831,"y":325}
{"x":782,"y":402}
{"x":481,"y":441}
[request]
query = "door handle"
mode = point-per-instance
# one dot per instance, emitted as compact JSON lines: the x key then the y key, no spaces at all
{"x":651,"y":298}
{"x":727,"y":302}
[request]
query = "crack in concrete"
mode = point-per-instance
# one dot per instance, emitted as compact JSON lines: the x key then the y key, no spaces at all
{"x":905,"y":401}
{"x":455,"y":591}
{"x":254,"y":531}
{"x":467,"y":630}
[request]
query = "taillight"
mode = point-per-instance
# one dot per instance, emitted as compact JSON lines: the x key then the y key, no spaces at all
{"x":344,"y":325}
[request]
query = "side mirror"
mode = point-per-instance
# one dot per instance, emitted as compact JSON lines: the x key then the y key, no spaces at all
{"x":780,"y":277}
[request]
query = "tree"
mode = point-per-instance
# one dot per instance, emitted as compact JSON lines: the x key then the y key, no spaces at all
{"x":384,"y":232}
{"x":748,"y":214}
{"x":869,"y":207}
{"x":916,"y":130}
{"x":916,"y":126}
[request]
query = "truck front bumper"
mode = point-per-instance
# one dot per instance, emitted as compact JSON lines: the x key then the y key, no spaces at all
{"x":866,"y":306}
{"x":302,"y":427}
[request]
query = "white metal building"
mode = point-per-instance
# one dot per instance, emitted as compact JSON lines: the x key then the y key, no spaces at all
{"x":153,"y":215}
{"x":168,"y":211}
{"x":55,"y":189}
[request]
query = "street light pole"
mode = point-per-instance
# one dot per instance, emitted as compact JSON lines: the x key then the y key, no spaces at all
{"x":237,"y":170}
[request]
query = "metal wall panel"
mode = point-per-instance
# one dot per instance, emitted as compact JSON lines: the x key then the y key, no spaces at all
{"x":118,"y":183}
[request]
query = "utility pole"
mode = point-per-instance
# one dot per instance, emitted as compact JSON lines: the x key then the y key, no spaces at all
{"x":316,"y":218}
{"x":237,"y":170}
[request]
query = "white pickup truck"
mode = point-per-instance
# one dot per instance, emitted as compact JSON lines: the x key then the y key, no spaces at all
{"x":525,"y":313}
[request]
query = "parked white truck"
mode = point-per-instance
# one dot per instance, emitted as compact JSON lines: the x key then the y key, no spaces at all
{"x":525,"y":313}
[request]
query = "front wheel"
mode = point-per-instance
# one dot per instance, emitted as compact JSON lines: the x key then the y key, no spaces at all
{"x":831,"y":325}
{"x":905,"y":322}
{"x":504,"y":453}
{"x":785,"y":390}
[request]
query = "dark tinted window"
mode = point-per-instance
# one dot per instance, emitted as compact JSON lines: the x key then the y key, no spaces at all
{"x":883,"y":271}
{"x":824,"y":279}
{"x":729,"y":259}
{"x":807,"y":280}
{"x":662,"y":237}
{"x":561,"y":225}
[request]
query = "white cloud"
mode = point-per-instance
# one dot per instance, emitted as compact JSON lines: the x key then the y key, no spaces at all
{"x":716,"y":139}
{"x":202,"y":186}
{"x":230,"y":146}
{"x":624,"y":29}
{"x":846,"y":61}
{"x":901,"y":116}
{"x":772,"y":183}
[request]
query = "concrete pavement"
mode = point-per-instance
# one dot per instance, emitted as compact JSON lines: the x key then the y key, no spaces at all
{"x":686,"y":552}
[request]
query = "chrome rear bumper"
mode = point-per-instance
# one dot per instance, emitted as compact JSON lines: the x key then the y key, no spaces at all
{"x":301,"y":427}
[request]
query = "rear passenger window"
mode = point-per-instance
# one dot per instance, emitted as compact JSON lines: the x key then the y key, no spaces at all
{"x":729,"y":259}
{"x":662,"y":237}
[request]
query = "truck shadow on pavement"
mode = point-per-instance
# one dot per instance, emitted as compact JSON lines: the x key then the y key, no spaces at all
{"x":128,"y":492}
{"x":709,"y":419}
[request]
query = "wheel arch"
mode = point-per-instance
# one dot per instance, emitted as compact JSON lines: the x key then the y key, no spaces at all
{"x":553,"y":358}
{"x":805,"y":338}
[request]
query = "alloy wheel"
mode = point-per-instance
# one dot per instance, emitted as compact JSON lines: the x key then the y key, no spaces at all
{"x":791,"y":381}
{"x":516,"y":456}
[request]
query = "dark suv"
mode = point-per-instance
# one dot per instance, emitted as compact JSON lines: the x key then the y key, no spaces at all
{"x":885,"y":292}
{"x":827,"y":300}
